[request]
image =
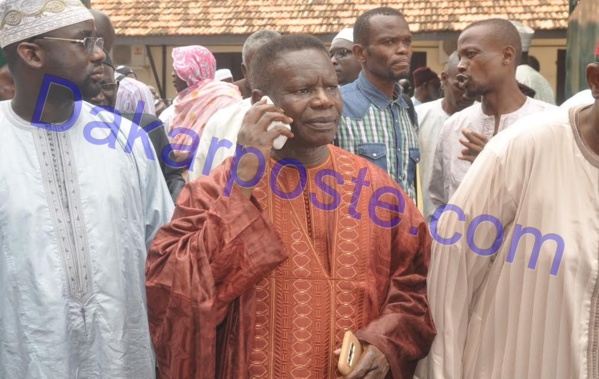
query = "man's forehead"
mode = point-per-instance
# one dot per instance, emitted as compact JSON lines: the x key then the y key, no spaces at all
{"x":479,"y":35}
{"x":298,"y":58}
{"x":302,"y":64}
{"x":108,"y":71}
{"x":388,"y":25}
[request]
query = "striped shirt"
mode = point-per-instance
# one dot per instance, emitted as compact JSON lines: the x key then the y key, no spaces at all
{"x":380,"y":130}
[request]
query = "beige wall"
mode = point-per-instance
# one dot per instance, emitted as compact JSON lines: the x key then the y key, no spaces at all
{"x":544,"y":50}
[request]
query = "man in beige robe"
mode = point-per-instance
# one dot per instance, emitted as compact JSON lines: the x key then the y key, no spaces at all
{"x":513,"y":283}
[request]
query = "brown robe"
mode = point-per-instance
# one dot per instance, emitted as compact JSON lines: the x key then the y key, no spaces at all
{"x":266,"y":288}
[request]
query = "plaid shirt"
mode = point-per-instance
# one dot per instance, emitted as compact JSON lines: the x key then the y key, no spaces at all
{"x":380,"y":130}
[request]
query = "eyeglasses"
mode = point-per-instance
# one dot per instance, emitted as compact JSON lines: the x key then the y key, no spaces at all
{"x":109,"y":87}
{"x":340,"y":54}
{"x":88,"y":42}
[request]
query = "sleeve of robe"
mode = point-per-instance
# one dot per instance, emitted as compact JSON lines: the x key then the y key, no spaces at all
{"x":436,"y":186}
{"x":457,"y":272}
{"x":404,"y":329}
{"x":172,"y":175}
{"x":155,"y":199}
{"x":213,"y":250}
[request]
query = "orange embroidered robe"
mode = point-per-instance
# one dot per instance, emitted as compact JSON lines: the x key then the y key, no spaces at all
{"x":266,"y":288}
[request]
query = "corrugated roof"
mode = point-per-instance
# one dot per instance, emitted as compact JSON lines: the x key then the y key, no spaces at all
{"x":221,"y":17}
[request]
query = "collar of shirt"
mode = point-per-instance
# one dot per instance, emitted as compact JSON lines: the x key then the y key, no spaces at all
{"x":376,"y":96}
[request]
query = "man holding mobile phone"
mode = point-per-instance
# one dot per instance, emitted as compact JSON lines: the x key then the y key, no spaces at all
{"x":270,"y":259}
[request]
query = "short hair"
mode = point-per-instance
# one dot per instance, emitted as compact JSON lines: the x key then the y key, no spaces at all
{"x":362,"y":25}
{"x":254,"y":41}
{"x":504,"y":31}
{"x":263,"y":62}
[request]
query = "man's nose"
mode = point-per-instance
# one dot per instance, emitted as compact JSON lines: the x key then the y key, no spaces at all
{"x":98,"y":54}
{"x":322,"y":98}
{"x":462,"y":66}
{"x":402,"y":48}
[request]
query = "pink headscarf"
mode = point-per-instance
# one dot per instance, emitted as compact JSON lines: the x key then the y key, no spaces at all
{"x":195,"y":65}
{"x":204,"y":96}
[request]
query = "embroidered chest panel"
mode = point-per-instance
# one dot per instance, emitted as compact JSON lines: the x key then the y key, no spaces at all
{"x":64,"y":203}
{"x":306,"y":304}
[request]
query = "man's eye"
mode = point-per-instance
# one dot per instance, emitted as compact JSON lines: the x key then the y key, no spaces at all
{"x":304,"y":91}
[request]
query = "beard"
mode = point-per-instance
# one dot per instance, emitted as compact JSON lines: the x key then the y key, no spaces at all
{"x":473,"y":89}
{"x":475,"y":92}
{"x":90,"y":88}
{"x":397,"y":76}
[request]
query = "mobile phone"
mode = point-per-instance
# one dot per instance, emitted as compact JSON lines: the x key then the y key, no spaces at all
{"x":351,"y":351}
{"x":279,"y":142}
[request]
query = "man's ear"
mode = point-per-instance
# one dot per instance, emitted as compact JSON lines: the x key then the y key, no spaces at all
{"x":593,"y":79}
{"x":444,"y":79}
{"x":359,"y":52}
{"x":257,"y":94}
{"x":31,"y":54}
{"x":509,"y":54}
{"x":244,"y":70}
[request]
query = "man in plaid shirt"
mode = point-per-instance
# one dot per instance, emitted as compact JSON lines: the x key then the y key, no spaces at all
{"x":376,"y":122}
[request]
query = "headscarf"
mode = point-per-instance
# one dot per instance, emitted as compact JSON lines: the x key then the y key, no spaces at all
{"x":204,"y":96}
{"x":195,"y":65}
{"x":130,"y":93}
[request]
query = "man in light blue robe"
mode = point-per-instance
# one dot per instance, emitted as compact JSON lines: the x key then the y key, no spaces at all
{"x":81,"y":197}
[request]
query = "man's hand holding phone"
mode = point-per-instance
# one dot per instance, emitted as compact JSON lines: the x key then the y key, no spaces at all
{"x":256,"y":132}
{"x":357,"y":360}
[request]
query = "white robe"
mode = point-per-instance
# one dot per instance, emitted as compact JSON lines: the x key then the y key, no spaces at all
{"x":448,"y":170}
{"x":224,"y":125}
{"x":76,"y":219}
{"x":507,"y":315}
{"x":431,"y":117}
{"x":584,"y":97}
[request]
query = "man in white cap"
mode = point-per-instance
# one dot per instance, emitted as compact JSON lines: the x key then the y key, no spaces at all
{"x":528,"y":75}
{"x":224,"y":75}
{"x":347,"y":67}
{"x":80,"y":202}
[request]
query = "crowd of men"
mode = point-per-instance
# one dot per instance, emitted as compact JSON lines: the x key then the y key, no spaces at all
{"x":247,"y":244}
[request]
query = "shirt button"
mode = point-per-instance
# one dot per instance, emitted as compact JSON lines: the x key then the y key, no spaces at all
{"x":374,"y":155}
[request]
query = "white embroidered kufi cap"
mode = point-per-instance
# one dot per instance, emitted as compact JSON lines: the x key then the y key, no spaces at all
{"x":526,"y":34}
{"x":23,"y":19}
{"x":346,"y":34}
